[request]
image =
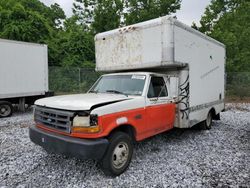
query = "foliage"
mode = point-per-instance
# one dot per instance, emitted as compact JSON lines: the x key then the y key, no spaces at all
{"x":104,"y":15}
{"x":100,"y":15}
{"x":215,"y":11}
{"x":73,"y":46}
{"x":238,"y":84}
{"x":228,"y":22}
{"x":29,"y":20}
{"x":142,"y":10}
{"x":107,"y":15}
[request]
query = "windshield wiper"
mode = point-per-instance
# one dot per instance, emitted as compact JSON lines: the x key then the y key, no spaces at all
{"x":117,"y":92}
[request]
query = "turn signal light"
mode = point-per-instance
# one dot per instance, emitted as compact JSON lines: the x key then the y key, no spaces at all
{"x":91,"y":129}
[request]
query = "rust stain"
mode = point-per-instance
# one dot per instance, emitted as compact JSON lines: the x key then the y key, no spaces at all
{"x":123,"y":48}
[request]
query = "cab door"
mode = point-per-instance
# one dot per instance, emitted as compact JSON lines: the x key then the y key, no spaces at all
{"x":160,"y":110}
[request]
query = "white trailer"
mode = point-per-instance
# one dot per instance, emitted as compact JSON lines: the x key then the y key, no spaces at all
{"x":195,"y":62}
{"x":23,"y":74}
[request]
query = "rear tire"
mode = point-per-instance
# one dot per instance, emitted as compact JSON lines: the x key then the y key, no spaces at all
{"x":6,"y":109}
{"x":118,"y":155}
{"x":207,"y":124}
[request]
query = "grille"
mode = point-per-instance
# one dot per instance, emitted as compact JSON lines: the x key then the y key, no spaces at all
{"x":55,"y":119}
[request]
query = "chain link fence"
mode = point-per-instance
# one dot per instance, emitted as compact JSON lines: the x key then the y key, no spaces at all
{"x":64,"y":80}
{"x":238,"y":84}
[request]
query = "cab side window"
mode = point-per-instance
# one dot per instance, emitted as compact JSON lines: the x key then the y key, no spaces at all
{"x":157,"y":87}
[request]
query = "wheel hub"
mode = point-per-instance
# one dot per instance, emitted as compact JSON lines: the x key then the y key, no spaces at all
{"x":5,"y":110}
{"x":120,"y":155}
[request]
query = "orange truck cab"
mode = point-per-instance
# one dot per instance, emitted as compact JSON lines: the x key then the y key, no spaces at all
{"x":156,"y":85}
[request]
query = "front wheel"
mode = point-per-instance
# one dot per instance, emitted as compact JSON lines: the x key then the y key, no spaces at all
{"x":119,"y":154}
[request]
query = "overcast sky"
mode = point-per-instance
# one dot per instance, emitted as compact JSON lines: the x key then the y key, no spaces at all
{"x":191,"y":10}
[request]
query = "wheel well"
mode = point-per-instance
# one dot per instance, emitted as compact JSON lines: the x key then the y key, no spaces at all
{"x":213,"y":113}
{"x":128,"y":129}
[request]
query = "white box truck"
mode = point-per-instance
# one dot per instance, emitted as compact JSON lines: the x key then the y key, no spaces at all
{"x":164,"y":75}
{"x":23,"y":74}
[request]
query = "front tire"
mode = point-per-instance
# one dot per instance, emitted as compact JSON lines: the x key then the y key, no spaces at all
{"x":6,"y":109}
{"x":118,"y":155}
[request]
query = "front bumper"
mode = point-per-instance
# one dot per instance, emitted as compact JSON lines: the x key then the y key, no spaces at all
{"x":77,"y":147}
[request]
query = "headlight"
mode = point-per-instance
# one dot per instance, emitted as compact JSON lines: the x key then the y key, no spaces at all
{"x":81,"y":121}
{"x":87,"y":124}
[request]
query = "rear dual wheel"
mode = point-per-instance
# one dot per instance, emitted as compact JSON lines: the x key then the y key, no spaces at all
{"x":118,"y":155}
{"x":207,"y":124}
{"x":6,"y":109}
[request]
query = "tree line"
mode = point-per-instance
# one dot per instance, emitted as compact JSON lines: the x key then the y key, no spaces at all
{"x":71,"y":40}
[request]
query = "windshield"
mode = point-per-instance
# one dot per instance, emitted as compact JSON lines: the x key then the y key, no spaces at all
{"x":121,"y":84}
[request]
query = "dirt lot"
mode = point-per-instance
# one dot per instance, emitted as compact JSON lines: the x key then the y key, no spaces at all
{"x":179,"y":158}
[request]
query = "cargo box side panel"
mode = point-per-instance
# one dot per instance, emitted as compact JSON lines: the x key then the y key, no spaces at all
{"x":130,"y":48}
{"x":206,"y":60}
{"x":23,"y":69}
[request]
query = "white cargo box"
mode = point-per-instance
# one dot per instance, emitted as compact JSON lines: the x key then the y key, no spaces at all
{"x":166,"y":45}
{"x":160,"y":42}
{"x":23,"y":69}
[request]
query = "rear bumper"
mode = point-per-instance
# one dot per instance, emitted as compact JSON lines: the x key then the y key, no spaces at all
{"x":80,"y":148}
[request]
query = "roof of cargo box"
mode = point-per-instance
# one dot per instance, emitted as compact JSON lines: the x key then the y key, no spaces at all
{"x":21,"y":42}
{"x":152,"y":23}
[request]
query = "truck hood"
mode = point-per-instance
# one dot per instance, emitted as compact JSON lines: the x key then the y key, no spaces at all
{"x":80,"y":102}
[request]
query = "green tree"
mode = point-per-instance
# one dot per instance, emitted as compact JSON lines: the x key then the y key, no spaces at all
{"x":107,"y":15}
{"x":142,"y":10}
{"x":215,"y":11}
{"x":228,"y":22}
{"x":56,"y":15}
{"x":73,"y":46}
{"x":28,"y":20}
{"x":99,"y":15}
{"x":104,"y":15}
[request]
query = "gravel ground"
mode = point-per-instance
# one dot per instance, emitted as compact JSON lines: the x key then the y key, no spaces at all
{"x":219,"y":157}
